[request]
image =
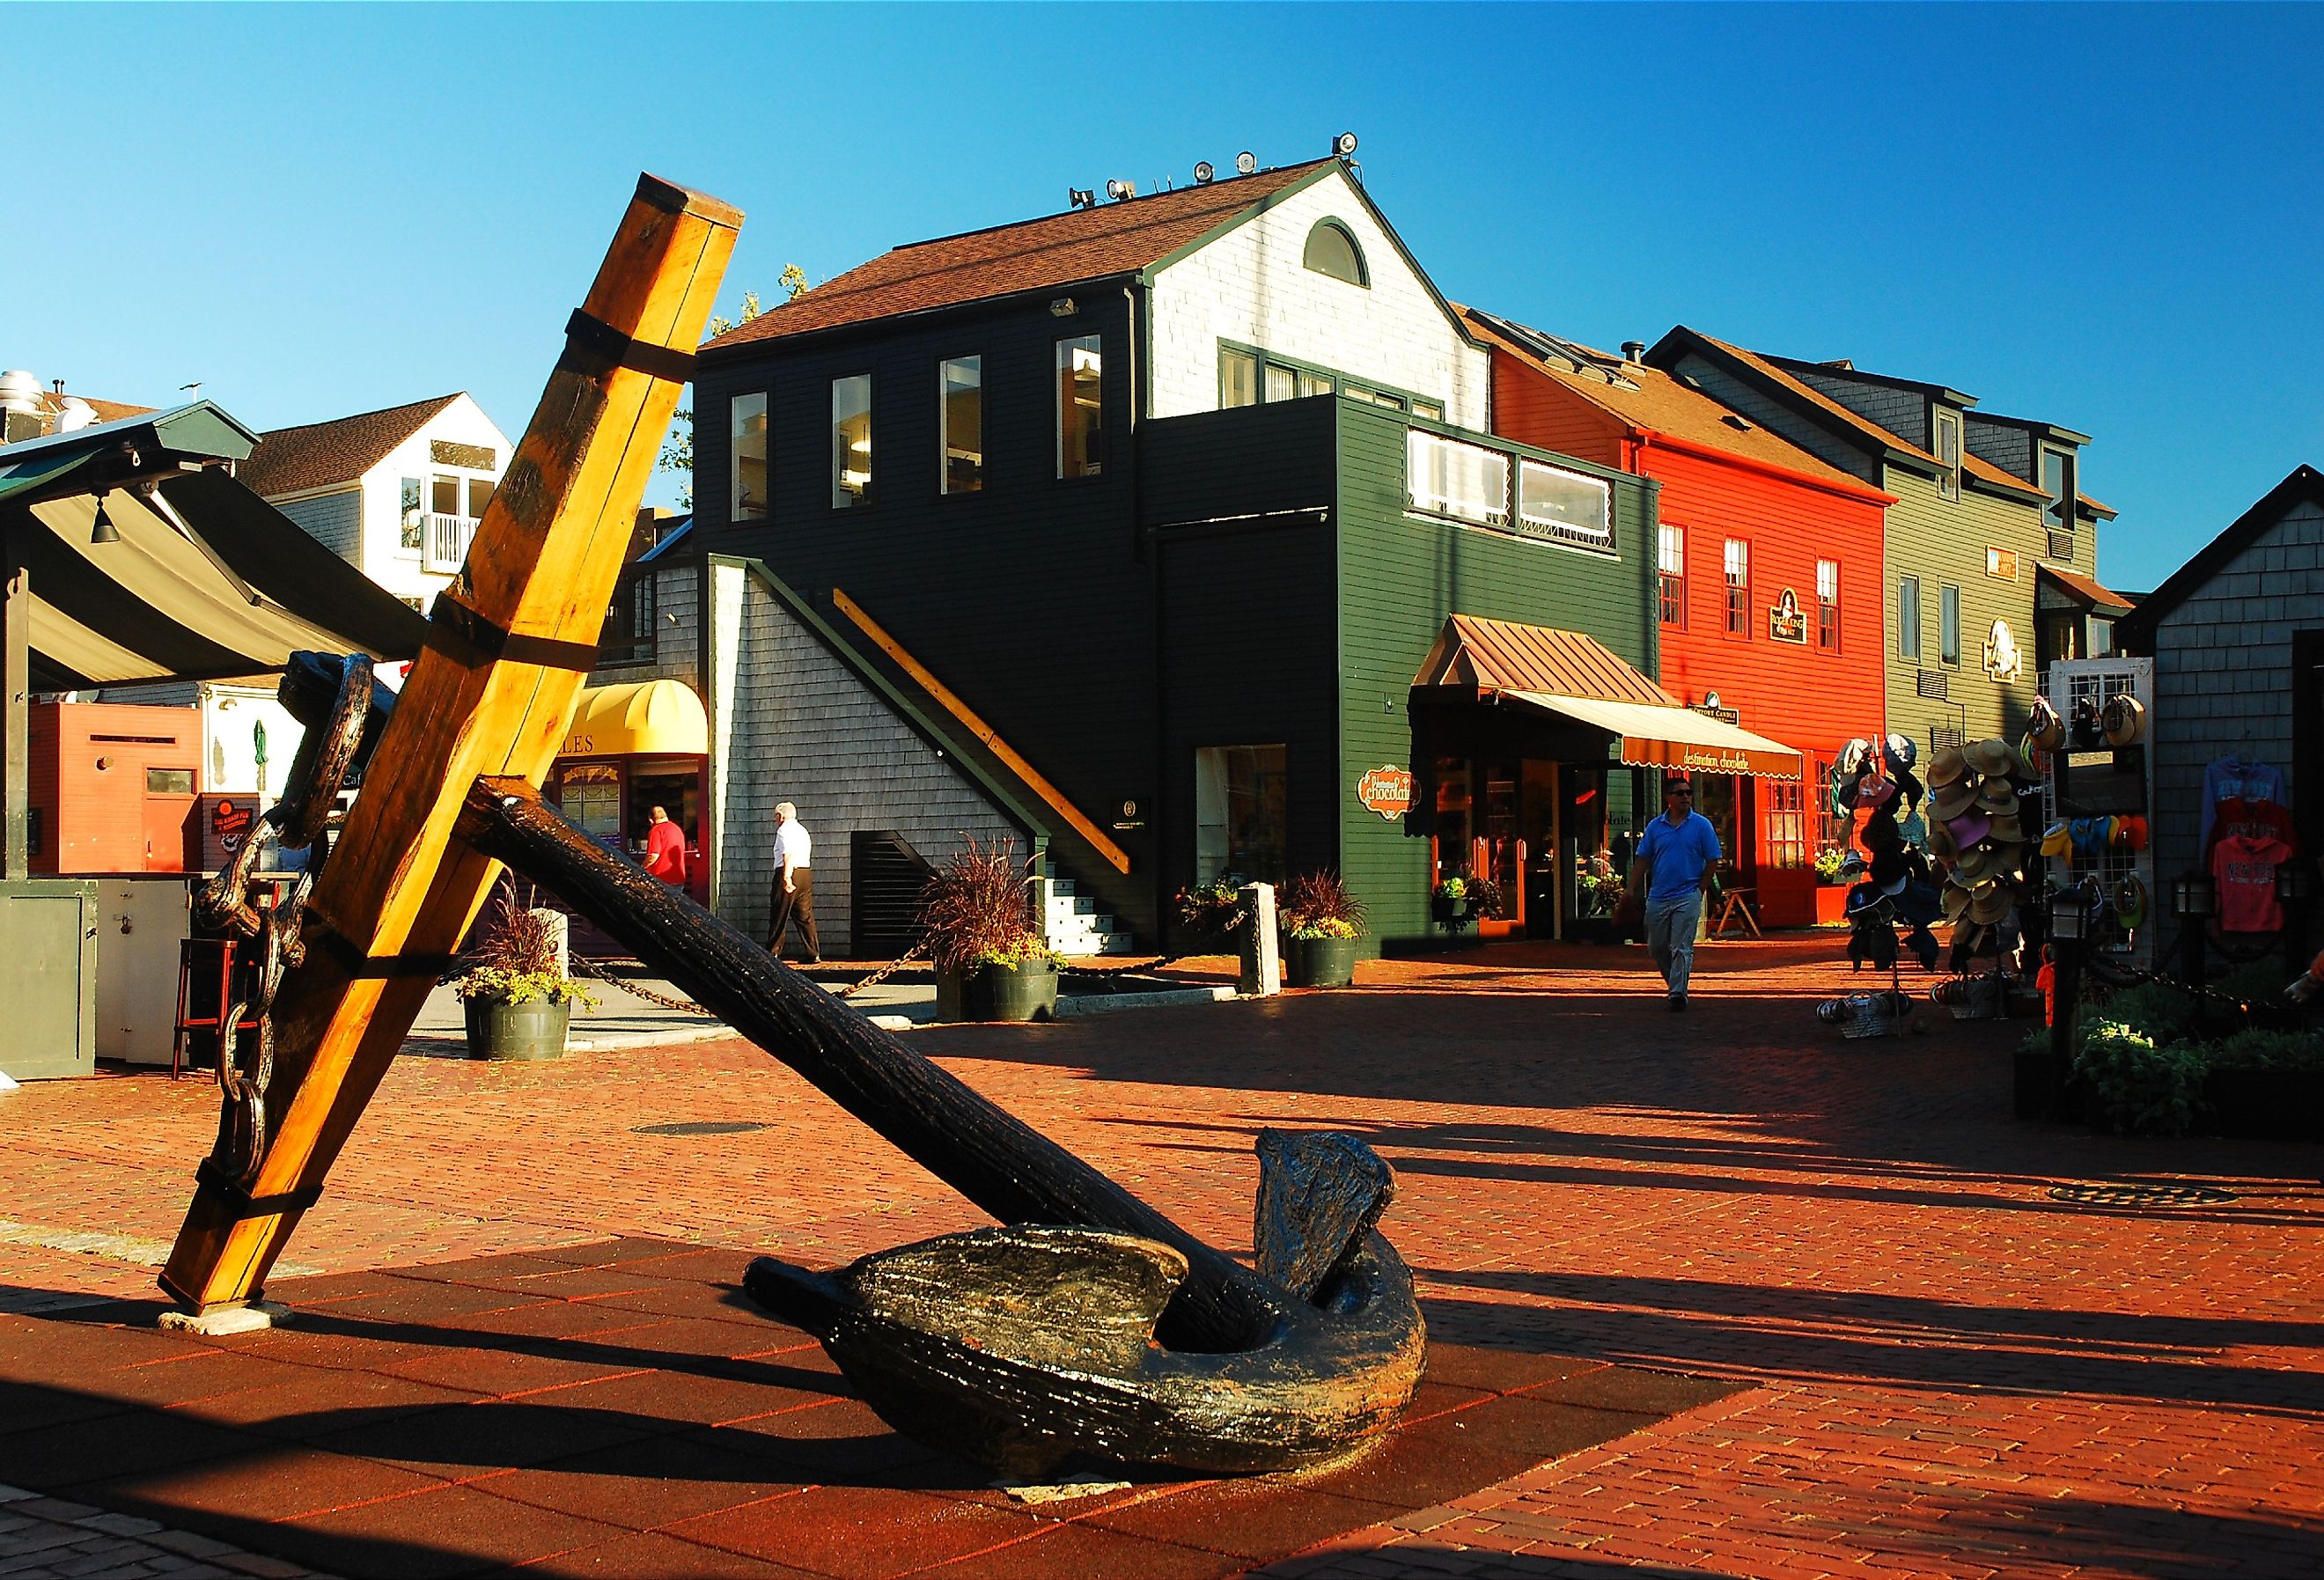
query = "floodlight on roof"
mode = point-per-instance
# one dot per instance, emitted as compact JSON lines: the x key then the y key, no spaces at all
{"x":1343,"y":145}
{"x":1081,"y":196}
{"x":1245,"y":163}
{"x":1120,"y":190}
{"x":1204,"y":173}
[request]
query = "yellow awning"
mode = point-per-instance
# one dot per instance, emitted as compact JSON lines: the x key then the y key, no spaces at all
{"x":661,"y":718}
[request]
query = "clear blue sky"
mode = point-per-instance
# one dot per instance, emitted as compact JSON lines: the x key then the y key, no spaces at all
{"x":2108,"y":218}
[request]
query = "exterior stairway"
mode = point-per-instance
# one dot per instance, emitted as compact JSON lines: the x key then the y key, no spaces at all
{"x":1075,"y":925}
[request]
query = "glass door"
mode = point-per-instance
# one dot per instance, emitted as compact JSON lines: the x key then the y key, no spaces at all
{"x":1500,"y":849}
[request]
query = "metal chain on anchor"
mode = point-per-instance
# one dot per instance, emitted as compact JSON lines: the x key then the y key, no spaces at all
{"x":245,"y":1060}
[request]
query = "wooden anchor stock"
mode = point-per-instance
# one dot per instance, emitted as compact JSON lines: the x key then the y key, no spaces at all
{"x":1090,"y":1323}
{"x":510,"y":645}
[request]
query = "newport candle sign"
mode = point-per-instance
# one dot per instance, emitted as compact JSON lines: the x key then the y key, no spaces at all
{"x":1386,"y":790}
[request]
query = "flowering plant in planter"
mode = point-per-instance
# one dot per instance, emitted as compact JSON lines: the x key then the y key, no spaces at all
{"x":1209,"y":913}
{"x":1828,"y":863}
{"x":992,"y":961}
{"x":1317,"y":905}
{"x":516,"y":961}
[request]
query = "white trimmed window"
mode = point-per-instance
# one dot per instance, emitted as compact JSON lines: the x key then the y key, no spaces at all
{"x":1444,"y":477}
{"x":1568,"y":506}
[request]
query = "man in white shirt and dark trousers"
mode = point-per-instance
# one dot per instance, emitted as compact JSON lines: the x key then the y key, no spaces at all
{"x":794,"y":893}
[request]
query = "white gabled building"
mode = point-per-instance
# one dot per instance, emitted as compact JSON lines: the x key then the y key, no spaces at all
{"x":396,"y":494}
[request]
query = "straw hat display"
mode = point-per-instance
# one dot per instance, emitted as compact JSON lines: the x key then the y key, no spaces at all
{"x":1947,"y":767}
{"x":1997,"y":759}
{"x":2047,"y":730}
{"x":1952,"y":801}
{"x":2123,"y":720}
{"x":1976,"y":833}
{"x":1989,"y":905}
{"x":1997,"y":795}
{"x":1942,"y":846}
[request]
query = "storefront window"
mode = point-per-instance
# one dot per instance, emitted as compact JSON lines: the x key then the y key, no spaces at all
{"x":591,"y":795}
{"x":1719,"y":797}
{"x":1241,"y":813}
{"x":1785,"y":819}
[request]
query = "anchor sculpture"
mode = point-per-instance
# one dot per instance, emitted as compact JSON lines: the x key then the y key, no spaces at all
{"x":1087,"y":1325}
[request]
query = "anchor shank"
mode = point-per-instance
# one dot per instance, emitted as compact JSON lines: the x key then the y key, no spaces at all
{"x":990,"y":1157}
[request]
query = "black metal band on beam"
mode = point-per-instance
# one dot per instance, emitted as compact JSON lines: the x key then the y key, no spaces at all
{"x":207,"y":1173}
{"x":593,"y":340}
{"x":463,"y":631}
{"x":363,"y":967}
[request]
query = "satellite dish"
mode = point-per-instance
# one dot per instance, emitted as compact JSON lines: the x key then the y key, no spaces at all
{"x":1204,"y":173}
{"x":1245,"y":163}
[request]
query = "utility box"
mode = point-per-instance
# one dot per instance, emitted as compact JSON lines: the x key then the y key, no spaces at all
{"x":142,"y":917}
{"x":47,"y":977}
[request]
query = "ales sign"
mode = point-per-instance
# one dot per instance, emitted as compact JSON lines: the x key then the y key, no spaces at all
{"x":1386,"y":790}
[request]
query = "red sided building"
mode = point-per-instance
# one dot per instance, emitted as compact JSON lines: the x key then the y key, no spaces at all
{"x":1770,"y":576}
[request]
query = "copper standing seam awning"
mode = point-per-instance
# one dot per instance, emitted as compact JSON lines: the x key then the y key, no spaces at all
{"x":1576,"y":678}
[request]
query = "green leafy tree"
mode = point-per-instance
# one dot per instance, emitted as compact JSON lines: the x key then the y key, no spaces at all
{"x":677,"y":450}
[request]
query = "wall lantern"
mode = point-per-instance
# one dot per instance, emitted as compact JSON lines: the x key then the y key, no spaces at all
{"x":2294,"y":883}
{"x":2070,"y":916}
{"x":2194,"y":897}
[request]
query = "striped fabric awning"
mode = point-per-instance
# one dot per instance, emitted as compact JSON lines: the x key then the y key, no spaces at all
{"x":229,"y":588}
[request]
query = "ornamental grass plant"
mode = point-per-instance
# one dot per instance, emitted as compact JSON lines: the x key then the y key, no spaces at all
{"x":977,"y":910}
{"x":515,"y":962}
{"x":1317,"y":905}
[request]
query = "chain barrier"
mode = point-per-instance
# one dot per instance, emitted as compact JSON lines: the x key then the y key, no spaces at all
{"x":302,"y":821}
{"x":2114,"y":975}
{"x":596,"y":973}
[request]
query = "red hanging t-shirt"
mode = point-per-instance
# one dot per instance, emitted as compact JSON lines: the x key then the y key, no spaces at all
{"x":2244,"y":869}
{"x":2260,"y":819}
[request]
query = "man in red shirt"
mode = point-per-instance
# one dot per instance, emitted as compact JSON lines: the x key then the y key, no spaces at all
{"x":666,"y":849}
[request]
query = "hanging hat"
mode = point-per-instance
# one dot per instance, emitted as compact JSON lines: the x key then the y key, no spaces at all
{"x":1971,"y":827}
{"x":1947,"y":767}
{"x":2006,"y":830}
{"x":2130,"y":901}
{"x":1941,"y":843}
{"x":1852,"y":755}
{"x":2123,"y":720}
{"x":2047,"y":729}
{"x":1862,"y":899}
{"x":1952,"y":801}
{"x":1957,"y":901}
{"x":1981,"y":863}
{"x":1852,"y":865}
{"x":2058,"y":839}
{"x":1996,"y":758}
{"x":2084,"y":731}
{"x":1989,"y":906}
{"x":1902,"y":750}
{"x":1889,"y":872}
{"x":2130,"y":832}
{"x":1880,"y":832}
{"x":1875,"y":792}
{"x":1997,"y":795}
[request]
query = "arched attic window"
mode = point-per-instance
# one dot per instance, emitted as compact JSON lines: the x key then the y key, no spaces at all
{"x":1331,"y":250}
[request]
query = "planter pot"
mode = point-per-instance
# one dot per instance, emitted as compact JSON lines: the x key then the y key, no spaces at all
{"x":1320,"y":962}
{"x":2286,"y":1105}
{"x":1451,"y":912}
{"x":998,"y":993}
{"x":531,"y":1030}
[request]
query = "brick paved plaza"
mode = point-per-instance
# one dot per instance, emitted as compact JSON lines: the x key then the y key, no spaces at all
{"x":1921,"y":1363}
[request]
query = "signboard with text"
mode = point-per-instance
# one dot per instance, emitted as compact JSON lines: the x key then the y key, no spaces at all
{"x":1784,"y":621}
{"x":1386,"y":790}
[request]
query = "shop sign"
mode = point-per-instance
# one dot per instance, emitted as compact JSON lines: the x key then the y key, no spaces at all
{"x":1784,"y":621}
{"x":1386,"y":790}
{"x":2004,"y":658}
{"x":228,"y":821}
{"x":2001,"y":563}
{"x":1643,"y":752}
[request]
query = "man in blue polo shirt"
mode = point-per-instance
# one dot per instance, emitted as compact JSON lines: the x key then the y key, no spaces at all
{"x":1679,"y":851}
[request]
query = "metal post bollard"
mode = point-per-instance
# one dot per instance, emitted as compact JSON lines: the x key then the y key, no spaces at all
{"x":1262,"y":962}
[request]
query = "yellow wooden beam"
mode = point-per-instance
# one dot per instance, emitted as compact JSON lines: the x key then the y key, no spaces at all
{"x":491,"y":694}
{"x":1051,"y":796}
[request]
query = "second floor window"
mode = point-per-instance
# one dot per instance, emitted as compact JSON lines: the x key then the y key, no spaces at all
{"x":1671,"y":572}
{"x":961,"y":396}
{"x":1738,"y":588}
{"x":1467,"y":482}
{"x":1908,"y":617}
{"x":746,"y":462}
{"x":1238,"y":379}
{"x":851,"y":440}
{"x":1081,"y":407}
{"x":1949,"y":453}
{"x":1828,"y":605}
{"x":1572,"y":508}
{"x":2058,"y":483}
{"x":1948,"y":625}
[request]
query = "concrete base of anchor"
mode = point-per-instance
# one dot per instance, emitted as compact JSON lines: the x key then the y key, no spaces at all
{"x":248,"y":1317}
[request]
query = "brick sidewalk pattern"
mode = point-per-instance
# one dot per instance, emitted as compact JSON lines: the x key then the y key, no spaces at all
{"x":48,"y":1538}
{"x":1957,"y":1375}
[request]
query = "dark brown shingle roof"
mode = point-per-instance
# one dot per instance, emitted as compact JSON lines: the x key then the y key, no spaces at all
{"x":1034,"y":254}
{"x":290,"y":460}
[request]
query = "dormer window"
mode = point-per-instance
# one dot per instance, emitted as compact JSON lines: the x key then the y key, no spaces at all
{"x":1331,"y":250}
{"x":1949,"y":453}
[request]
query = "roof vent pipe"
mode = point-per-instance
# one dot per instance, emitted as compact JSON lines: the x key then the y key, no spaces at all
{"x":1634,"y":351}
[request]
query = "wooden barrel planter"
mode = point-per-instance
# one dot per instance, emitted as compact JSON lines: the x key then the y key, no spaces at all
{"x":1320,"y":962}
{"x":534,"y":1030}
{"x":998,"y":993}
